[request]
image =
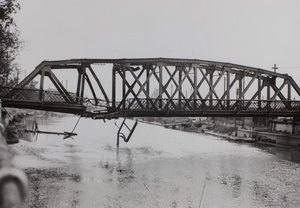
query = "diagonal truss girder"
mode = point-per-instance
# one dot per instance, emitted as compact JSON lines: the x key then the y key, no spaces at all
{"x":179,"y":84}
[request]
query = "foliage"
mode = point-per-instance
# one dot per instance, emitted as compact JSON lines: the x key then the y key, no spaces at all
{"x":9,"y":42}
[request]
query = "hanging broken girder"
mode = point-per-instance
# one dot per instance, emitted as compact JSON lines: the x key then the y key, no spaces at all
{"x":65,"y":134}
{"x":35,"y":130}
{"x":122,"y":135}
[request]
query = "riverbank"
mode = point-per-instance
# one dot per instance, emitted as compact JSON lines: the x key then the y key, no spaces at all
{"x":17,"y":121}
{"x":228,"y":132}
{"x":205,"y":127}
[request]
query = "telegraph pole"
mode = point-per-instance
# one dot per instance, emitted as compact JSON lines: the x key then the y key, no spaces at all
{"x":275,"y":67}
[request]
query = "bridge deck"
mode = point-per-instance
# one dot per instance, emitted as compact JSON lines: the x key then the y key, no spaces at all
{"x":53,"y":101}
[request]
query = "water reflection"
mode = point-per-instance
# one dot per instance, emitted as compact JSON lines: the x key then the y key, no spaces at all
{"x":236,"y":182}
{"x":124,"y":169}
{"x":287,"y":153}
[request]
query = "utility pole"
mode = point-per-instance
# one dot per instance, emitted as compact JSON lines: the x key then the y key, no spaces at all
{"x":275,"y":67}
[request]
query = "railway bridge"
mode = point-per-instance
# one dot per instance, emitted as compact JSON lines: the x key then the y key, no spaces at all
{"x":158,"y":87}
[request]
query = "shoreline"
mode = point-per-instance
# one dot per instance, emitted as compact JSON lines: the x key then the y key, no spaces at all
{"x":202,"y":131}
{"x":262,"y":138}
{"x":17,"y":122}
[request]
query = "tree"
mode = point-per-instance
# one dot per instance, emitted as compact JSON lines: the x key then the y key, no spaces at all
{"x":9,"y":42}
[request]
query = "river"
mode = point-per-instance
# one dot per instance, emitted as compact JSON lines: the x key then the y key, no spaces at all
{"x":158,"y":167}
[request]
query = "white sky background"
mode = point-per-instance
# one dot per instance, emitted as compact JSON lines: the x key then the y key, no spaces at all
{"x":256,"y":33}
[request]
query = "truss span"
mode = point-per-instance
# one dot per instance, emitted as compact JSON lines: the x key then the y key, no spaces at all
{"x":158,"y":87}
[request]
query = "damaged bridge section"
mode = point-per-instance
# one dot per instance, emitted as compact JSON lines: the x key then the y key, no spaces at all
{"x":158,"y":87}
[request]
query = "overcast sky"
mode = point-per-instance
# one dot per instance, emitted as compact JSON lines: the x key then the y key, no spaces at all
{"x":256,"y":33}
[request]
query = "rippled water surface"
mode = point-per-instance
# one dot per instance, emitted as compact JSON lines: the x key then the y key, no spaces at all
{"x":158,"y":168}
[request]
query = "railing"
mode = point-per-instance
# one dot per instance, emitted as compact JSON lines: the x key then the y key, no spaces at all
{"x":35,"y":95}
{"x":153,"y":104}
{"x":56,"y":101}
{"x":208,"y":105}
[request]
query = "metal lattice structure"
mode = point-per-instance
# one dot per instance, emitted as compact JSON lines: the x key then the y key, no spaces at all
{"x":160,"y":87}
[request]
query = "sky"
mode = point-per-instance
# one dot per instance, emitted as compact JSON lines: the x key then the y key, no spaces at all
{"x":257,"y":33}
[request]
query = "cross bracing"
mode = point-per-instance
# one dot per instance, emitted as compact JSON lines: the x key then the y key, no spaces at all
{"x":158,"y":87}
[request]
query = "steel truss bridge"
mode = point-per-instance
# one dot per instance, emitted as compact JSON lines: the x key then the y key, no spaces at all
{"x":159,"y":87}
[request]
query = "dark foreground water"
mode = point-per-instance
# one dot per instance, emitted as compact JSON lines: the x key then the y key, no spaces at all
{"x":158,"y":168}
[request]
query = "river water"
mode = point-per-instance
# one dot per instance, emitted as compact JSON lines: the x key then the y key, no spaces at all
{"x":159,"y":167}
